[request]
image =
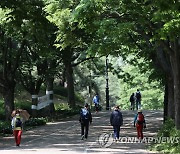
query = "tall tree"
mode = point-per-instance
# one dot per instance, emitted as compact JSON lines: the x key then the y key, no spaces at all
{"x":142,"y":24}
{"x":71,"y":40}
{"x":11,"y":48}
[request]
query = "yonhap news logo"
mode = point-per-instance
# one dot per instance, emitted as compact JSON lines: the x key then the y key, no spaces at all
{"x":106,"y":140}
{"x":149,"y":140}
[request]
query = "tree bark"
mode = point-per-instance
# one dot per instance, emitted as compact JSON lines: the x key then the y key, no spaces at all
{"x":175,"y":61}
{"x":49,"y":91}
{"x":171,"y":107}
{"x":34,"y":105}
{"x":70,"y":85}
{"x":8,"y":95}
{"x":166,"y":103}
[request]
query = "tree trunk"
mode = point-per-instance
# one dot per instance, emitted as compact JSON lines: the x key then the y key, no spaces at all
{"x":171,"y":107}
{"x":175,"y":61}
{"x":49,"y":91}
{"x":70,"y":85}
{"x":34,"y":105}
{"x":166,"y":103}
{"x":8,"y":95}
{"x":177,"y":99}
{"x":63,"y":79}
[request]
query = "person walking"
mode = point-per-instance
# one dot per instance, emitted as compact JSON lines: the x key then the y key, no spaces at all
{"x":132,"y":100}
{"x":96,"y":102}
{"x":116,"y":120}
{"x":17,"y":123}
{"x":85,"y":119}
{"x":138,"y":99}
{"x":139,"y":123}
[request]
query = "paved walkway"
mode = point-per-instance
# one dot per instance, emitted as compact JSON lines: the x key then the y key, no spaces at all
{"x":64,"y":137}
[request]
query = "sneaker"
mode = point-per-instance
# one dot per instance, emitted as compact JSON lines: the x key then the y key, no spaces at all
{"x":82,"y":137}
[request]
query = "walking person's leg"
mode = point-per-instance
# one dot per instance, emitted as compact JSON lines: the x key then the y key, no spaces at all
{"x":139,"y":104}
{"x":133,"y":105}
{"x":15,"y":133}
{"x":118,"y":132}
{"x":115,"y":132}
{"x":86,"y":130}
{"x":96,"y":106}
{"x":141,"y":131}
{"x":19,"y":133}
{"x":136,"y":104}
{"x":138,"y":131}
{"x":82,"y":131}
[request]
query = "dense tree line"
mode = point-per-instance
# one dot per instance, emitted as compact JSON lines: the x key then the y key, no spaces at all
{"x":39,"y":36}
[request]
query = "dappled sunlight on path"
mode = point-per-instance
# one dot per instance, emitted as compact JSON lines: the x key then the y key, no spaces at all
{"x":64,"y":137}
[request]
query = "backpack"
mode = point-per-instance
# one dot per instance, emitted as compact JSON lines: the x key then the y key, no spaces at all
{"x":84,"y":114}
{"x":138,"y":95}
{"x":140,"y":118}
{"x":18,"y":122}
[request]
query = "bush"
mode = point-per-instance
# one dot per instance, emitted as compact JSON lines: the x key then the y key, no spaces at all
{"x":168,"y":130}
{"x":5,"y":128}
{"x":2,"y":112}
{"x":35,"y":122}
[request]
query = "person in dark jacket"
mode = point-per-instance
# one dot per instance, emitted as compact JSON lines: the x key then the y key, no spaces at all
{"x":116,"y":120}
{"x":132,"y":100}
{"x":138,"y":99}
{"x":85,"y":118}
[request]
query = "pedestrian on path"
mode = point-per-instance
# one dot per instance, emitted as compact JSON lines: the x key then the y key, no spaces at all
{"x":138,"y":99}
{"x":139,"y":123}
{"x":96,"y":102}
{"x":17,"y":123}
{"x":116,"y":120}
{"x":132,"y":100}
{"x":85,"y":119}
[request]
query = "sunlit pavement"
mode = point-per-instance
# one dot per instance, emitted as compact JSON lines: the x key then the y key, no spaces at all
{"x":64,"y":137}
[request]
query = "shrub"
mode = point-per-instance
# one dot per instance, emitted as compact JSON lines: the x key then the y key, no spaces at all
{"x":35,"y":122}
{"x":5,"y":128}
{"x":168,"y":130}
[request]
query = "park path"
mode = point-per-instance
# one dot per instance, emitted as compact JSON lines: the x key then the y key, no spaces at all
{"x":64,"y":137}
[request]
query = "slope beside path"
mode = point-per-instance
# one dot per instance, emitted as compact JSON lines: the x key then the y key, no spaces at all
{"x":64,"y":136}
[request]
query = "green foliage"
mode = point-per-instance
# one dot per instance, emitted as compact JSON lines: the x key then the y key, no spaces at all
{"x":35,"y":122}
{"x":63,"y":110}
{"x":132,"y":79}
{"x":5,"y":128}
{"x":168,"y":130}
{"x":26,"y":105}
{"x":59,"y":90}
{"x":2,"y":111}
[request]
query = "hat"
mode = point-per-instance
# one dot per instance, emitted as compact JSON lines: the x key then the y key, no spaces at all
{"x":139,"y":110}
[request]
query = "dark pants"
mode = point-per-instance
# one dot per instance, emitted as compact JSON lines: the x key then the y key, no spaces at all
{"x":84,"y":126}
{"x":132,"y":105}
{"x":96,"y":107}
{"x":116,"y":131}
{"x":138,"y":104}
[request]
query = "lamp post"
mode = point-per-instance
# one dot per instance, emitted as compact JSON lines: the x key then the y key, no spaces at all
{"x":107,"y":84}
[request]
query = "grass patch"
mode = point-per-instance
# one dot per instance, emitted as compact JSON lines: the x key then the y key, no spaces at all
{"x":168,"y":131}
